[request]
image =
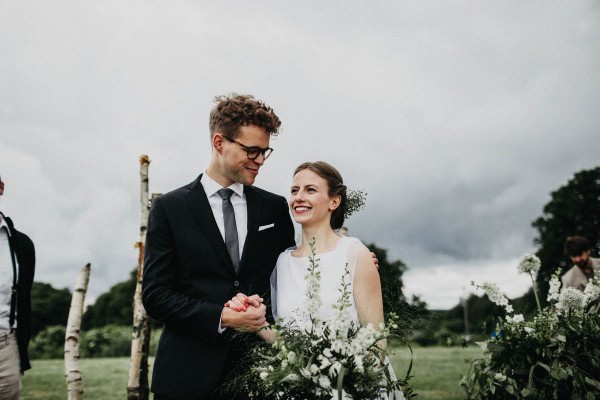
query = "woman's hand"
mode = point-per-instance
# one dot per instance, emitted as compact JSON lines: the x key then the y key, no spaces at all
{"x":240,"y":302}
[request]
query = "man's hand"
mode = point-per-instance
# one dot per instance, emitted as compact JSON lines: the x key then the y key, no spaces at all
{"x":375,"y":260}
{"x":252,"y":319}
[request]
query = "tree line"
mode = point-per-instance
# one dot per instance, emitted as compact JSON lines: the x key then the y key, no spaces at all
{"x":574,"y":209}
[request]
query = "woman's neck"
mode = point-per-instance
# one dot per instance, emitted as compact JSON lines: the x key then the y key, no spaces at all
{"x":324,"y":237}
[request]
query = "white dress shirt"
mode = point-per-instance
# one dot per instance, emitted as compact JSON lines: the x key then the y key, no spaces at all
{"x":240,"y":209}
{"x":6,"y":276}
{"x":238,"y":200}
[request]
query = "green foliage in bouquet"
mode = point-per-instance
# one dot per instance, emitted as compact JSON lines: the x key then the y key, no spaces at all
{"x":325,"y":360}
{"x":554,"y":355}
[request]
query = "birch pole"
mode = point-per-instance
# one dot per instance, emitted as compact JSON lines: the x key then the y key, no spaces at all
{"x":137,"y":386}
{"x":72,"y":364}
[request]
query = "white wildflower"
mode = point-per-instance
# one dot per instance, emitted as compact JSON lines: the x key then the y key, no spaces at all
{"x":291,"y":357}
{"x":324,"y":382}
{"x":528,"y":329}
{"x":570,"y":299}
{"x":554,"y":291}
{"x":495,"y":296}
{"x":500,"y":377}
{"x":324,"y":362}
{"x":591,"y":292}
{"x":335,"y":369}
{"x":515,"y":319}
{"x":358,"y":361}
{"x":264,"y":375}
{"x":530,"y":264}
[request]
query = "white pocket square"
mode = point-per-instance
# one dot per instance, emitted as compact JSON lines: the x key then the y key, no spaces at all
{"x":262,"y":228}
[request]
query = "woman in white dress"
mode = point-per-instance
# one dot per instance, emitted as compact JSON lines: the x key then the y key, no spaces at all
{"x":317,"y":202}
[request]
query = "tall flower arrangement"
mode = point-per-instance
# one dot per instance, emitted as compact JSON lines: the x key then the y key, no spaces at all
{"x":553,"y":355}
{"x":327,"y":359}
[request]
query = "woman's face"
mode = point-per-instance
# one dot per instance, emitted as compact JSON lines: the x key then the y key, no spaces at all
{"x":309,"y":198}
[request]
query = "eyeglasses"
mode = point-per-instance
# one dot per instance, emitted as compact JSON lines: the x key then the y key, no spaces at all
{"x":253,"y":151}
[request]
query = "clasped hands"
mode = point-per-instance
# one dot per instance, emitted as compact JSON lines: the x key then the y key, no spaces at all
{"x":244,"y":313}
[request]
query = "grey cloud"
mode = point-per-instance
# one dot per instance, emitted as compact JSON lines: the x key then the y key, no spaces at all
{"x":457,"y":118}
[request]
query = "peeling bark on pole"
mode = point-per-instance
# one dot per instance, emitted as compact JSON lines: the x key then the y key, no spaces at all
{"x":72,"y":364}
{"x":137,"y":386}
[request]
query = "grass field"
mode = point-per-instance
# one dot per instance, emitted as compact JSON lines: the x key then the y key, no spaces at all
{"x":436,"y":373}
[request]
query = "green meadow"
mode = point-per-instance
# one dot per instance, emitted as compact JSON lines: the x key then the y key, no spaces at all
{"x":436,"y":373}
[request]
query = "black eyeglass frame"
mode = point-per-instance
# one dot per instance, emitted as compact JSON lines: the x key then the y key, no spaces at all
{"x":252,"y":149}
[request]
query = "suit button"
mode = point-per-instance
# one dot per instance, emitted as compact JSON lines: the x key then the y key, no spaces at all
{"x":236,"y":283}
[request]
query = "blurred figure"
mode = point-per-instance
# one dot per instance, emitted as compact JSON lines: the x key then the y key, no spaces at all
{"x":17,"y":266}
{"x":584,"y":267}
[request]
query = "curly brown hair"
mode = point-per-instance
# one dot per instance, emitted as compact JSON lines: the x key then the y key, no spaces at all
{"x":235,"y":110}
{"x":336,"y":187}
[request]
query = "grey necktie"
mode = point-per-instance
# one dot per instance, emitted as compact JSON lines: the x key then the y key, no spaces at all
{"x":231,"y":233}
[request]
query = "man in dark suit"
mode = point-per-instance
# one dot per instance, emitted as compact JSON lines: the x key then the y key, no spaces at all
{"x":205,"y":244}
{"x":17,"y":267}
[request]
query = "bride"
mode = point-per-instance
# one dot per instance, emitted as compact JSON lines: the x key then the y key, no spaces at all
{"x":317,"y":202}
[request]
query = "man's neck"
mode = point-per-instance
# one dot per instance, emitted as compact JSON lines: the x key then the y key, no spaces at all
{"x":219,"y":178}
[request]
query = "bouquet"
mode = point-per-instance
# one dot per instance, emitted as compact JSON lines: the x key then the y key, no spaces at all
{"x":553,"y":355}
{"x":326,"y":359}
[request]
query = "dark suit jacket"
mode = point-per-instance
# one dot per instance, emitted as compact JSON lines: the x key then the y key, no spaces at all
{"x":188,"y":276}
{"x":24,"y":251}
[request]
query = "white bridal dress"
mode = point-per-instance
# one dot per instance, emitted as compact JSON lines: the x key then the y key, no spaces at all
{"x":288,"y":286}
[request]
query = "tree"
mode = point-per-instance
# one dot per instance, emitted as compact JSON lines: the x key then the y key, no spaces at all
{"x":390,"y":274}
{"x":573,"y":210}
{"x":113,"y":307}
{"x":49,"y":306}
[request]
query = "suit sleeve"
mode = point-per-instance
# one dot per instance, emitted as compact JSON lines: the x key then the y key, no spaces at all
{"x":160,"y":296}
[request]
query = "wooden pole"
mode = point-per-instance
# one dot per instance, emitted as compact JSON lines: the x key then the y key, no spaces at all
{"x":137,"y":386}
{"x":72,"y":364}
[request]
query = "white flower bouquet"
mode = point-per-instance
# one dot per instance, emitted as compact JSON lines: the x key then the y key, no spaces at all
{"x":327,"y":359}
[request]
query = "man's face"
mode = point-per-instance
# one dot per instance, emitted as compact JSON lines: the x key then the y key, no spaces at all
{"x":582,"y":260}
{"x":236,"y":166}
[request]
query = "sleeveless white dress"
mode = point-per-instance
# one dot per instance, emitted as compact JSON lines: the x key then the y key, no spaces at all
{"x":288,"y":286}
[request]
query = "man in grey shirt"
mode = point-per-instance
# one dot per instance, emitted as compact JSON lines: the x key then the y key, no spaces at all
{"x":584,"y":267}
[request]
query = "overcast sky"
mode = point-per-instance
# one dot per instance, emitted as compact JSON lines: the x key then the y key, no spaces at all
{"x":457,"y":118}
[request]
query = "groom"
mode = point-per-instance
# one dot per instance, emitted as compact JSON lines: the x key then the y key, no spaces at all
{"x":207,"y":241}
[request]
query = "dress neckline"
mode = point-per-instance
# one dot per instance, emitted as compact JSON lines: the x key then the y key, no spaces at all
{"x":342,"y":237}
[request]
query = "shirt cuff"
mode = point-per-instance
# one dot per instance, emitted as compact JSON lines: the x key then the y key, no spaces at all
{"x":221,"y":329}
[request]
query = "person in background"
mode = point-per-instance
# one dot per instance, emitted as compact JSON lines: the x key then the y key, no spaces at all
{"x":17,"y":267}
{"x":584,"y":267}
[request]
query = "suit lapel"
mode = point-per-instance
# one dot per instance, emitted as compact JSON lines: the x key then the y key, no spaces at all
{"x":198,"y":202}
{"x":253,"y":204}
